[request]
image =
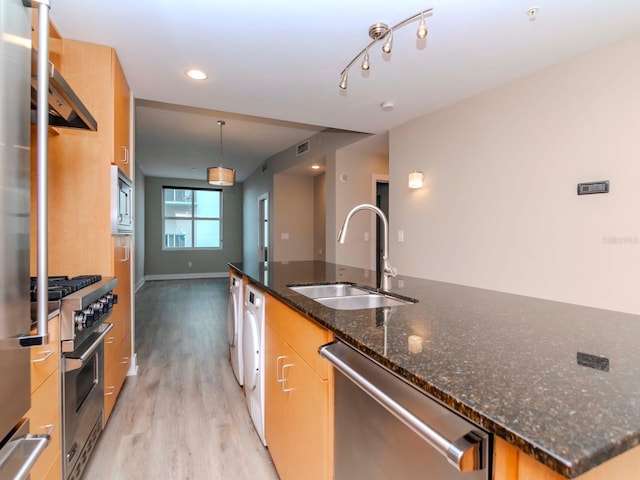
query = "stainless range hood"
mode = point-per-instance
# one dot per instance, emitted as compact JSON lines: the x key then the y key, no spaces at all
{"x":65,"y":108}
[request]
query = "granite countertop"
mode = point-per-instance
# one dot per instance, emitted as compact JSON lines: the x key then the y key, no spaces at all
{"x":507,"y":362}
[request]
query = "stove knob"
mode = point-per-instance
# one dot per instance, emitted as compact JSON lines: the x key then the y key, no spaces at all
{"x":106,"y":304}
{"x":79,"y":321}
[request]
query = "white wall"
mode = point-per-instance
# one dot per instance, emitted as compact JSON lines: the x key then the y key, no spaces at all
{"x":500,"y":208}
{"x":293,"y":205}
{"x":353,"y":172}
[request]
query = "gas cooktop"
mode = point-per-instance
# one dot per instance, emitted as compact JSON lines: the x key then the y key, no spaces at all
{"x":61,"y":286}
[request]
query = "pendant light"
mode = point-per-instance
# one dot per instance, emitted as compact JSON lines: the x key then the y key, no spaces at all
{"x":221,"y":176}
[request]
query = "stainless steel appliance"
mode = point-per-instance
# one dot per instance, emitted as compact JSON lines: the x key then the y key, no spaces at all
{"x":18,"y":449}
{"x":121,"y":203}
{"x":401,"y":432}
{"x":83,"y":327}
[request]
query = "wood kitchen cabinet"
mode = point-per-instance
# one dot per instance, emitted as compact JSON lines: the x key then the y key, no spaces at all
{"x":80,"y":239}
{"x":512,"y":464}
{"x":298,"y":395}
{"x":45,"y":413}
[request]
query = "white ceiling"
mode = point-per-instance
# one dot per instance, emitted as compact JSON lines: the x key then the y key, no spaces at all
{"x":274,"y":66}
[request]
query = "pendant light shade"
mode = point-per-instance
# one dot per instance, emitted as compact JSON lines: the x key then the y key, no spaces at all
{"x":221,"y":176}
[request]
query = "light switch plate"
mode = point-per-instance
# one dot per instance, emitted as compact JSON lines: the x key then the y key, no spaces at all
{"x":401,"y":235}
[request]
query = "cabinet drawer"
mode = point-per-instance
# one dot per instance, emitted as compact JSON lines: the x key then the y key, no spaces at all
{"x":114,"y":375}
{"x":44,"y":417}
{"x":55,"y":470}
{"x":112,"y":343}
{"x":303,"y":335}
{"x":46,"y":358}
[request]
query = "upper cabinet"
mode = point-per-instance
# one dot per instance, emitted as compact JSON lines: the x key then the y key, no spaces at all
{"x":122,"y":101}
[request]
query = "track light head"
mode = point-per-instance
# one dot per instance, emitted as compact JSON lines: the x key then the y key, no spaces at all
{"x":388,"y":45}
{"x":343,"y":82}
{"x":365,"y":62}
{"x":422,"y":28}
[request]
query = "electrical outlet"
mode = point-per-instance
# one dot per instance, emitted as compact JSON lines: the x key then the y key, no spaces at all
{"x":190,"y":264}
{"x":284,"y":236}
{"x":366,"y":236}
{"x":401,"y":235}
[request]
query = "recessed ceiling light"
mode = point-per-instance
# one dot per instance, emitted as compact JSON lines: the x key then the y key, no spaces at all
{"x":196,"y":74}
{"x":315,"y":167}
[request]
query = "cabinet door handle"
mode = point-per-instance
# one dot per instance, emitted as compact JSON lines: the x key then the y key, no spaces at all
{"x":110,"y":390}
{"x":47,"y":354}
{"x":125,"y":152}
{"x":110,"y":340}
{"x":127,"y":255}
{"x":124,"y":360}
{"x":49,"y":428}
{"x":279,"y":378}
{"x":284,"y":367}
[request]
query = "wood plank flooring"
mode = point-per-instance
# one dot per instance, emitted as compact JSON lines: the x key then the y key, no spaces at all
{"x":184,"y":415}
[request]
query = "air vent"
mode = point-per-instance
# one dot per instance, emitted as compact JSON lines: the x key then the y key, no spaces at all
{"x":302,"y":148}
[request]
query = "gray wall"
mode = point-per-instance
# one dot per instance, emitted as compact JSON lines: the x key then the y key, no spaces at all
{"x":205,"y":262}
{"x":261,"y":181}
{"x":138,"y":269}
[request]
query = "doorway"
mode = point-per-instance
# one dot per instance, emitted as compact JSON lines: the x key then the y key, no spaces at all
{"x":263,"y":227}
{"x":382,"y":202}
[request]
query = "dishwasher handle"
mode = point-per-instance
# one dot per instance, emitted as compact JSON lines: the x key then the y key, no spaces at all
{"x":465,"y":453}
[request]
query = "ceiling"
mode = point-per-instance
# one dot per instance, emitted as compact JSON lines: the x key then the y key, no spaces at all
{"x":274,"y":67}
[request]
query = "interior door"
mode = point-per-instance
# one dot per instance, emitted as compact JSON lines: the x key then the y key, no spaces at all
{"x":263,"y":227}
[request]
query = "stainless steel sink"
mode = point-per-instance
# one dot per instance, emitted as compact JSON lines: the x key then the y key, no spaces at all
{"x":370,"y":300}
{"x":344,"y":296}
{"x":329,"y":290}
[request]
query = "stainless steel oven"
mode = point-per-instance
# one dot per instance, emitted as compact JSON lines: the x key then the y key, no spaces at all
{"x":83,"y":400}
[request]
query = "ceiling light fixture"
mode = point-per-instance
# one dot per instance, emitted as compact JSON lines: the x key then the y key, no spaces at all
{"x":315,"y":167}
{"x":221,"y":176}
{"x":382,"y":31}
{"x":196,"y":74}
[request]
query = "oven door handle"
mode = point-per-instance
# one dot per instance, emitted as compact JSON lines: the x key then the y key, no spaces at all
{"x":71,"y":364}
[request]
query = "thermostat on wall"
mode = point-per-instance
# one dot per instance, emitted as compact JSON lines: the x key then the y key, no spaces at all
{"x":593,"y":187}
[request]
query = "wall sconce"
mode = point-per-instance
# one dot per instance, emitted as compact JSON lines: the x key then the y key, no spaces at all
{"x":416,"y":179}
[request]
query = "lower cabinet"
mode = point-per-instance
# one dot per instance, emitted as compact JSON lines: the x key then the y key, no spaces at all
{"x":509,"y":463}
{"x":298,"y":395}
{"x":117,"y":361}
{"x":45,"y":413}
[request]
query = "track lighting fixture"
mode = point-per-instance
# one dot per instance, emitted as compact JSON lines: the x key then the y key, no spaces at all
{"x":382,"y":31}
{"x":221,"y":176}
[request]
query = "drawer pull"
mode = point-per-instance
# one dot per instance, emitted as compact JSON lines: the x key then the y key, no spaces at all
{"x":110,"y":340}
{"x":47,"y":354}
{"x":284,"y":367}
{"x":125,"y":360}
{"x":278,"y":378}
{"x":110,"y":390}
{"x":49,"y":428}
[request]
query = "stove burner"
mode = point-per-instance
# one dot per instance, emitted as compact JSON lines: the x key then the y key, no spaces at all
{"x":61,"y":286}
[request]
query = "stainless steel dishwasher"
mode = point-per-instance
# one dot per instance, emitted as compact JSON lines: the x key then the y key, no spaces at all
{"x":384,"y":428}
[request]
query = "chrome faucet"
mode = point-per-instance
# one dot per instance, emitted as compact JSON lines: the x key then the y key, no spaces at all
{"x":387,"y":271}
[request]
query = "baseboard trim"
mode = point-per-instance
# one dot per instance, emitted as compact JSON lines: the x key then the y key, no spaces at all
{"x":186,"y":276}
{"x":133,"y":367}
{"x":139,"y":285}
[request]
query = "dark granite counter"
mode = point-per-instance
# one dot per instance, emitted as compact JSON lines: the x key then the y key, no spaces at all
{"x":507,"y":362}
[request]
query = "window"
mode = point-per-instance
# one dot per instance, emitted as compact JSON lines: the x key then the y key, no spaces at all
{"x":192,"y":218}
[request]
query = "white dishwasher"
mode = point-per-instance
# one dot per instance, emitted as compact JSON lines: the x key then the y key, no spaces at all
{"x":384,"y":428}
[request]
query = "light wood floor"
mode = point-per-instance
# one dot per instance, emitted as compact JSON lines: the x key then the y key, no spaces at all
{"x":184,"y":415}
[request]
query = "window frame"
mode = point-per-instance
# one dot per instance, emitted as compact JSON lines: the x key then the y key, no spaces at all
{"x":192,"y":218}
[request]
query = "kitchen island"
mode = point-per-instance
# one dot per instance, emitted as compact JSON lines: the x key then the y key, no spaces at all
{"x":559,"y":382}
